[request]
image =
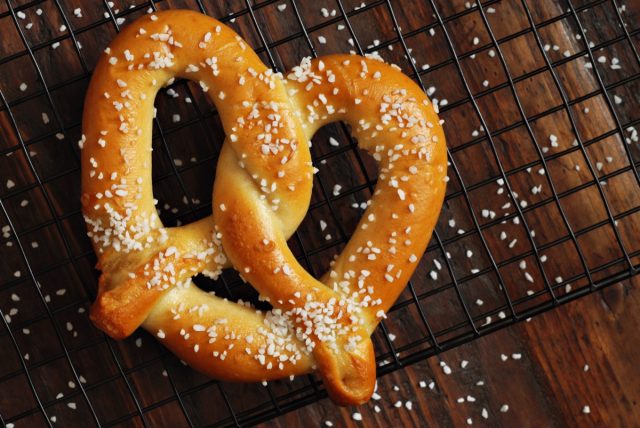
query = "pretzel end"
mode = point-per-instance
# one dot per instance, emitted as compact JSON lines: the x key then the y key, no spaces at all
{"x":119,"y":311}
{"x":103,"y":314}
{"x":350,"y":377}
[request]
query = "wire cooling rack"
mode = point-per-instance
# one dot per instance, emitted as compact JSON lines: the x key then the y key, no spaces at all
{"x":541,"y":101}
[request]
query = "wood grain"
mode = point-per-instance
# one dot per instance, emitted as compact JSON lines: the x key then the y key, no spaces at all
{"x":547,"y":387}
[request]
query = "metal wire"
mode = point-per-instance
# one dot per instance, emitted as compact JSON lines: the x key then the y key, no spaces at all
{"x":465,"y":325}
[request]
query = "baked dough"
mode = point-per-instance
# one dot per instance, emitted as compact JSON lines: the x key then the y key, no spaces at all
{"x":261,"y":193}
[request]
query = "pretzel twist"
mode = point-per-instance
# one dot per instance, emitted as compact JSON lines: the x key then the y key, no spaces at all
{"x":261,"y":193}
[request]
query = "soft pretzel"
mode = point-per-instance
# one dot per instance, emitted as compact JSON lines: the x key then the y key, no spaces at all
{"x":261,"y":193}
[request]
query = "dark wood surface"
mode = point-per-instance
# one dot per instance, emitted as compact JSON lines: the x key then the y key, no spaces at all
{"x":547,"y":387}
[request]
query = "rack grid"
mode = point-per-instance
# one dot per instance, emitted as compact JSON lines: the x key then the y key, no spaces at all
{"x":541,"y":102}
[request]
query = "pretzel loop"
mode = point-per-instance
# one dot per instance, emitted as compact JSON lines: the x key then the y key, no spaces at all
{"x":137,"y":253}
{"x":261,"y":193}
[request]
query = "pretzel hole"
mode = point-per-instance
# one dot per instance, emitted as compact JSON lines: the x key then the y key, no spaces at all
{"x":341,"y":189}
{"x":187,"y":139}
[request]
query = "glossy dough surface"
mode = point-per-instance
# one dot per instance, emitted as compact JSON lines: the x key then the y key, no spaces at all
{"x":261,"y":193}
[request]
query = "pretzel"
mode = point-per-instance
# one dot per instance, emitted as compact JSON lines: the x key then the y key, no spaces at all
{"x":261,"y":193}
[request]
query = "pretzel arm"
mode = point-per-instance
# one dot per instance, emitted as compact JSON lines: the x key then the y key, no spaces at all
{"x":257,"y":247}
{"x":225,"y":340}
{"x":394,"y":121}
{"x":400,"y":128}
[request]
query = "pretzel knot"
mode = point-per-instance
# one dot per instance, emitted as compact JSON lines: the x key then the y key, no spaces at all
{"x":261,"y":193}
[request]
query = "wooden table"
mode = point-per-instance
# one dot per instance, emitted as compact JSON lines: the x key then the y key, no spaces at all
{"x":549,"y":386}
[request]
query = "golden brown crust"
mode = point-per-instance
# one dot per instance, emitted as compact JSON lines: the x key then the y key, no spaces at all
{"x":261,"y":193}
{"x":395,"y":122}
